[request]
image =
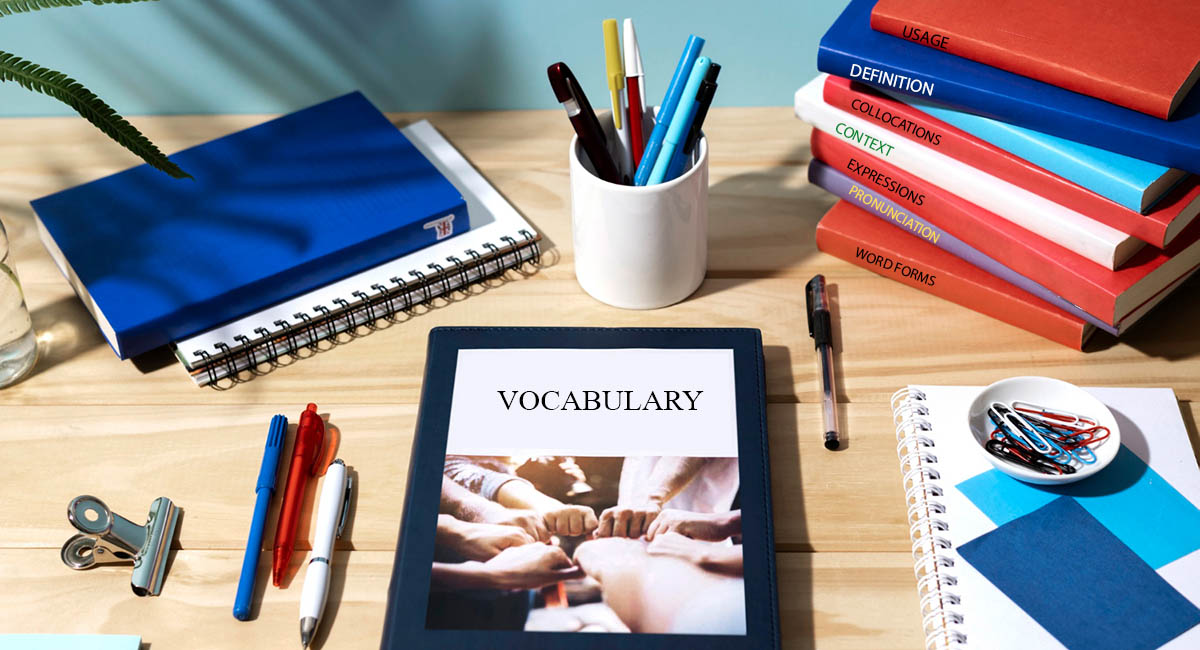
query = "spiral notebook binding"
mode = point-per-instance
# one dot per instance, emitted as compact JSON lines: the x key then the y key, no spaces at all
{"x":918,"y":460}
{"x":363,"y":309}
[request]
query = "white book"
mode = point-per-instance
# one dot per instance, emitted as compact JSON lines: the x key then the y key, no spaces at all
{"x":1077,"y":232}
{"x":499,"y":239}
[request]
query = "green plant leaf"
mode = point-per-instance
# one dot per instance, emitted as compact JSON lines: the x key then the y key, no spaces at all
{"x":9,"y":7}
{"x":70,"y":92}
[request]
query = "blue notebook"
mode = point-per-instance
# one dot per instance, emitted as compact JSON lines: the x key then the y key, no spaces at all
{"x":852,"y":49}
{"x":503,"y":408}
{"x":274,"y":211}
{"x":1135,"y":184}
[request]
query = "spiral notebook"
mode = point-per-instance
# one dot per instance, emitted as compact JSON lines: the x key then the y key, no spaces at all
{"x":500,"y":239}
{"x":1109,"y":562}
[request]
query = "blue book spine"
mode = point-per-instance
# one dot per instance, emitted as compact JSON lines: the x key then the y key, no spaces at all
{"x":1118,"y":178}
{"x":846,"y":188}
{"x":851,"y":49}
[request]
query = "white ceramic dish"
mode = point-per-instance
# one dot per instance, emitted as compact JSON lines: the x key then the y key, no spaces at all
{"x":1052,"y":393}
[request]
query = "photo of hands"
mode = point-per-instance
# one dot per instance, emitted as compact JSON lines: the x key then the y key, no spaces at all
{"x":640,"y":544}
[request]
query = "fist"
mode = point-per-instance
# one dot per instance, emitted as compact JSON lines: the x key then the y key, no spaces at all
{"x":531,"y":566}
{"x":485,"y":541}
{"x":527,"y":520}
{"x":570,"y":520}
{"x":696,"y":525}
{"x":625,"y":521}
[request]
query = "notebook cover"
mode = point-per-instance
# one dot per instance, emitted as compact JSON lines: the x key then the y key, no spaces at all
{"x":1158,"y":227}
{"x":1135,"y":184}
{"x":911,"y":222}
{"x":1127,"y":52}
{"x":1079,"y":232}
{"x":850,"y":48}
{"x":276,"y":210}
{"x":405,"y":625}
{"x":1093,"y":288}
{"x":855,"y":236}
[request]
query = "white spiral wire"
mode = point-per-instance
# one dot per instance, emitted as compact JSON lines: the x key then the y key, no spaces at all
{"x":914,"y":451}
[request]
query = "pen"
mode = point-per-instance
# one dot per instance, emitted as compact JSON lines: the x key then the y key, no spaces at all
{"x":331,"y":521}
{"x":820,"y":329}
{"x":615,"y":70}
{"x":309,"y":434}
{"x":667,"y":110}
{"x":681,"y":122}
{"x":587,"y":127}
{"x":704,"y":98}
{"x":635,"y":83}
{"x":263,"y":490}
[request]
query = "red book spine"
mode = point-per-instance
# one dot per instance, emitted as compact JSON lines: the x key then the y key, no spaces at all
{"x":924,"y":129}
{"x":853,"y":235}
{"x":1068,"y":274}
{"x":1143,"y":62}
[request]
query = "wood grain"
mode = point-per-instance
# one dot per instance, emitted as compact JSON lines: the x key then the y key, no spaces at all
{"x":88,"y":423}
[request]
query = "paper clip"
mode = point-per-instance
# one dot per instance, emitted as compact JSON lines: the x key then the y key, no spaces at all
{"x":1015,"y":426}
{"x":1060,"y":418}
{"x":1018,"y":455}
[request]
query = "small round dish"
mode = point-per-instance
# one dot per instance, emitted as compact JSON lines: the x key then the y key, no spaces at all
{"x":1051,"y":393}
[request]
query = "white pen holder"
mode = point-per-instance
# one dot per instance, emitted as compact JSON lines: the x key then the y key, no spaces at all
{"x":639,"y":247}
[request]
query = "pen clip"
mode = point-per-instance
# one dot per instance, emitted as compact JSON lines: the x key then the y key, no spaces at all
{"x":808,"y":299}
{"x":345,"y":505}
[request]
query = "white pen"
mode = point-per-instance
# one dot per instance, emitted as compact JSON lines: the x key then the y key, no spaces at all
{"x":331,"y":520}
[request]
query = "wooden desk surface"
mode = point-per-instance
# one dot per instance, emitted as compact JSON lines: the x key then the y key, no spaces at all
{"x":86,"y":423}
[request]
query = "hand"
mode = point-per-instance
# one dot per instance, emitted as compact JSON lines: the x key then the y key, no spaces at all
{"x":570,"y":519}
{"x":599,"y":557}
{"x":530,"y":566}
{"x":484,"y":541}
{"x":712,"y":527}
{"x":626,"y":521}
{"x":711,"y":556}
{"x":527,"y":520}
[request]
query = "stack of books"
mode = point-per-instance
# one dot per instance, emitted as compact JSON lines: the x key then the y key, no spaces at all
{"x":1039,"y":174}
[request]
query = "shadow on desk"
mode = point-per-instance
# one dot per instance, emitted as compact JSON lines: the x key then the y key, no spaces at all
{"x":65,"y":330}
{"x":1167,"y":332}
{"x":796,"y":596}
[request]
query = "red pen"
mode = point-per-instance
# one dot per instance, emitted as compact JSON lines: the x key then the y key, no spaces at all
{"x":309,"y":435}
{"x":635,"y":108}
{"x":587,"y":127}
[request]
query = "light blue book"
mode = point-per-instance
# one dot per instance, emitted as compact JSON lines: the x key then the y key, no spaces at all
{"x":1135,"y":184}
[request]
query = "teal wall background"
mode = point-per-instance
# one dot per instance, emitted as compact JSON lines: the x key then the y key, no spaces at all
{"x":269,"y":56}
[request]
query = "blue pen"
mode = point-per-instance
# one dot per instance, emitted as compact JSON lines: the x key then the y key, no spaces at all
{"x":262,"y":502}
{"x":674,"y":92}
{"x":681,"y":122}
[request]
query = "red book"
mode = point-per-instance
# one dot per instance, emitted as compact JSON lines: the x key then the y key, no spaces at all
{"x":1158,"y":227}
{"x":1140,"y":55}
{"x":851,"y":234}
{"x":1108,"y":295}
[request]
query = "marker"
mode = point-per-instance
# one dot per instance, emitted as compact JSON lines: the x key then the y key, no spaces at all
{"x":681,"y":122}
{"x":615,"y":70}
{"x":635,"y":82}
{"x":704,"y":98}
{"x":674,"y":92}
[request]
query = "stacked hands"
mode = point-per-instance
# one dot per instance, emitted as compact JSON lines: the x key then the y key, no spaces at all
{"x":508,"y":548}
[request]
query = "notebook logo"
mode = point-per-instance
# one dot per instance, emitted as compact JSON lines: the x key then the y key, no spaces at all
{"x":600,"y":400}
{"x":442,"y":228}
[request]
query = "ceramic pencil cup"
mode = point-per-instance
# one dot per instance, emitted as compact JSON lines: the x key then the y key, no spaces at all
{"x":639,"y":247}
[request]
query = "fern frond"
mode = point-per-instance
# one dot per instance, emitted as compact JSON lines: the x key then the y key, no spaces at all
{"x":9,"y":7}
{"x":70,"y":92}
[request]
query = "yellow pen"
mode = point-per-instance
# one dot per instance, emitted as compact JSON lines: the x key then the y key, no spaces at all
{"x":615,"y":70}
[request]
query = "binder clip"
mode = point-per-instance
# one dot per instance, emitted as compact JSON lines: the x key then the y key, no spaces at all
{"x":108,"y":538}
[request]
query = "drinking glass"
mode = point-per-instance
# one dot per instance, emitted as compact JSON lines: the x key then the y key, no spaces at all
{"x":18,"y":343}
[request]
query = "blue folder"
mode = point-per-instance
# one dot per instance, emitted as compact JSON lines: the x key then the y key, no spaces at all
{"x":964,"y":84}
{"x":1135,"y":184}
{"x":274,"y":211}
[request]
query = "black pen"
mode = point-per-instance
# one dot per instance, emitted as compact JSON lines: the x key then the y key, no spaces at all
{"x":583,"y":119}
{"x":821,"y":330}
{"x":704,"y":97}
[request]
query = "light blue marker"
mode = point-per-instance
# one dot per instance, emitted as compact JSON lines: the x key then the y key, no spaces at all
{"x":665,"y":112}
{"x":681,"y":123}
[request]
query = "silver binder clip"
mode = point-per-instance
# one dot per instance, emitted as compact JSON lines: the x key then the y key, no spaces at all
{"x":106,"y":537}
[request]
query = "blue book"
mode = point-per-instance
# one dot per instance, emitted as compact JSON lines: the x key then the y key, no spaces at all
{"x":274,"y":211}
{"x":852,"y":49}
{"x":1132,"y":183}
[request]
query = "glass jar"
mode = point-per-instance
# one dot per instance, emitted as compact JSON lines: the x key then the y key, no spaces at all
{"x":18,"y":343}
